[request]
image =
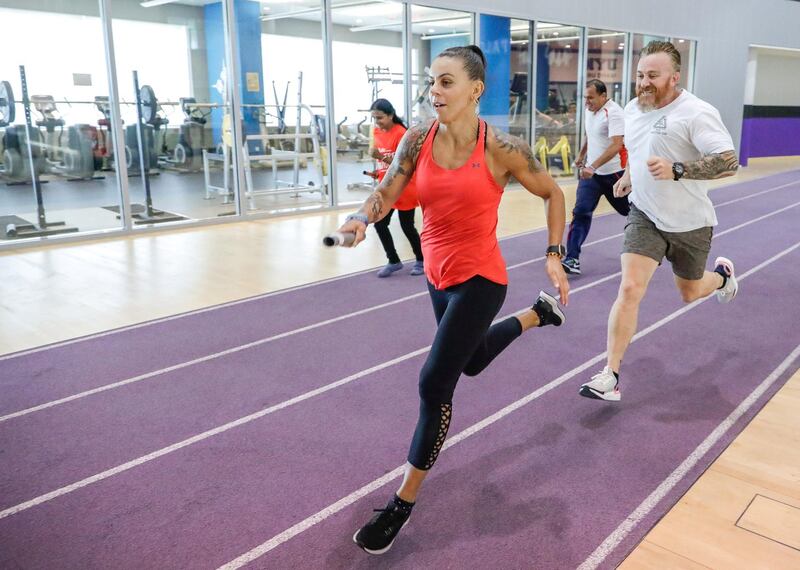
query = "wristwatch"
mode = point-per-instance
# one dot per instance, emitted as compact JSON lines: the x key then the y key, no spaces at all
{"x":557,"y":250}
{"x":677,"y":170}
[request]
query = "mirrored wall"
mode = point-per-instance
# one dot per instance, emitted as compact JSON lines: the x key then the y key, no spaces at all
{"x":558,"y":95}
{"x":433,"y":30}
{"x":58,"y":172}
{"x":162,"y":113}
{"x":281,"y":50}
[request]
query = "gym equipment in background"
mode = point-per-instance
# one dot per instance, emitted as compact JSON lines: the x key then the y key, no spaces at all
{"x":146,"y":106}
{"x":77,"y":160}
{"x":16,"y":168}
{"x":15,"y":227}
{"x":192,"y":138}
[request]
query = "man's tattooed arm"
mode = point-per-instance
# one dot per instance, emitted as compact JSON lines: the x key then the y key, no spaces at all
{"x":712,"y":166}
{"x":513,"y":145}
{"x":399,"y":173}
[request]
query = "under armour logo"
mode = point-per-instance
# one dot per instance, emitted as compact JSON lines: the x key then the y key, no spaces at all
{"x":661,"y":124}
{"x":476,"y":165}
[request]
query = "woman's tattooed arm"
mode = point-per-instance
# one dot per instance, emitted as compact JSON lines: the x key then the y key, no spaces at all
{"x":399,"y":173}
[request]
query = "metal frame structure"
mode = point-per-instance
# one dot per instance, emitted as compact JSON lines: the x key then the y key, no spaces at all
{"x":233,"y":103}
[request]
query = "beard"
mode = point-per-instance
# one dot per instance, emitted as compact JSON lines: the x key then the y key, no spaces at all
{"x":646,"y":98}
{"x":652,"y":98}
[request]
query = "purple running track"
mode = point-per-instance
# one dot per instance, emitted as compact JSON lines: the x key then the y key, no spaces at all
{"x":541,"y":487}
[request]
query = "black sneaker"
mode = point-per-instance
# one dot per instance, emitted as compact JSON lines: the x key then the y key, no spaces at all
{"x":377,"y":536}
{"x":571,"y":266}
{"x":548,"y":310}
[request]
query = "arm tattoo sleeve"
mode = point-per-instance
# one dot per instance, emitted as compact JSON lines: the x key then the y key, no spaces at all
{"x":405,"y":159}
{"x":514,"y":145}
{"x":373,"y":206}
{"x":404,"y":163}
{"x":712,"y":166}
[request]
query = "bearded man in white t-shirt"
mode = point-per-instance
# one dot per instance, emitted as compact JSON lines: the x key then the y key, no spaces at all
{"x":600,"y":163}
{"x":675,"y":143}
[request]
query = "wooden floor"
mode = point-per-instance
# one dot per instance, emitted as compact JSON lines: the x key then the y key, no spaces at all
{"x":744,"y":512}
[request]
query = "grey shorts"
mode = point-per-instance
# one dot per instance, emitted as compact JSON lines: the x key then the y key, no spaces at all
{"x":686,"y":251}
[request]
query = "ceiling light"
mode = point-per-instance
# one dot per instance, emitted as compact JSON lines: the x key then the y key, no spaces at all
{"x":448,"y":35}
{"x":151,"y":3}
{"x":568,"y":45}
{"x":555,"y":33}
{"x":681,"y":41}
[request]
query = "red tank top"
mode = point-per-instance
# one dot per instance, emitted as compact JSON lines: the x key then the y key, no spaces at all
{"x":459,"y":212}
{"x":387,"y":142}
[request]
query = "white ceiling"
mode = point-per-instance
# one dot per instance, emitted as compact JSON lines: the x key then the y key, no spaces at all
{"x":380,"y":14}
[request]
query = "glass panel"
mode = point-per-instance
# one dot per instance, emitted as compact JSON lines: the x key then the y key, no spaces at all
{"x":605,"y":59}
{"x":686,"y":49}
{"x":557,"y":96}
{"x":519,"y":121}
{"x":367,"y":65}
{"x":505,"y":103}
{"x":175,"y":146}
{"x":72,"y":186}
{"x":283,"y":97}
{"x":433,"y":31}
{"x":639,"y":41}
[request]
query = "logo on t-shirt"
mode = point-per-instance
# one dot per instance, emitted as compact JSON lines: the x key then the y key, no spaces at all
{"x":476,"y":165}
{"x":660,"y":127}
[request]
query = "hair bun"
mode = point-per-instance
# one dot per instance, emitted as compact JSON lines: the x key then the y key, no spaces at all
{"x":479,"y":52}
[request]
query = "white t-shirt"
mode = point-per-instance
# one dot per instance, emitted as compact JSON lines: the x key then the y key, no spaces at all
{"x":606,"y":122}
{"x":684,"y":131}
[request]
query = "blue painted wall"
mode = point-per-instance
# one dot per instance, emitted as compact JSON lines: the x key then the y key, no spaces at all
{"x":248,"y":24}
{"x":495,"y":42}
{"x":542,"y":76}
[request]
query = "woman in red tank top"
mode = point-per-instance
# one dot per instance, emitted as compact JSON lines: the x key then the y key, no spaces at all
{"x":389,"y":130}
{"x":461,"y":166}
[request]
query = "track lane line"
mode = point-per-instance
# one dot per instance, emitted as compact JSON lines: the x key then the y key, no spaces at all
{"x":330,"y":280}
{"x":279,"y":336}
{"x":452,"y":441}
{"x":362,"y":492}
{"x":632,"y":520}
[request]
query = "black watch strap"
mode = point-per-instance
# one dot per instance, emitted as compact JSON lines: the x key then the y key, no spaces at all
{"x":678,"y":170}
{"x":558,"y":250}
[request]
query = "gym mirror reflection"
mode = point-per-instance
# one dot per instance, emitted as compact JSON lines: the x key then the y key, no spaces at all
{"x":57,"y":174}
{"x":285,"y":153}
{"x":367,"y":66}
{"x":433,"y":30}
{"x":557,"y":96}
{"x":175,"y":109}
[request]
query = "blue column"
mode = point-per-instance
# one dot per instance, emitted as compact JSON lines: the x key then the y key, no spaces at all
{"x":495,"y":41}
{"x":542,"y":76}
{"x":248,"y":47}
{"x":215,"y":60}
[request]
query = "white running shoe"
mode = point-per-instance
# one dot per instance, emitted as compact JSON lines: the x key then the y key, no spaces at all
{"x":727,"y":293}
{"x":603,"y":386}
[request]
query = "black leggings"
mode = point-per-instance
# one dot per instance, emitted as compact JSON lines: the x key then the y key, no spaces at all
{"x":465,"y":341}
{"x":407,"y":224}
